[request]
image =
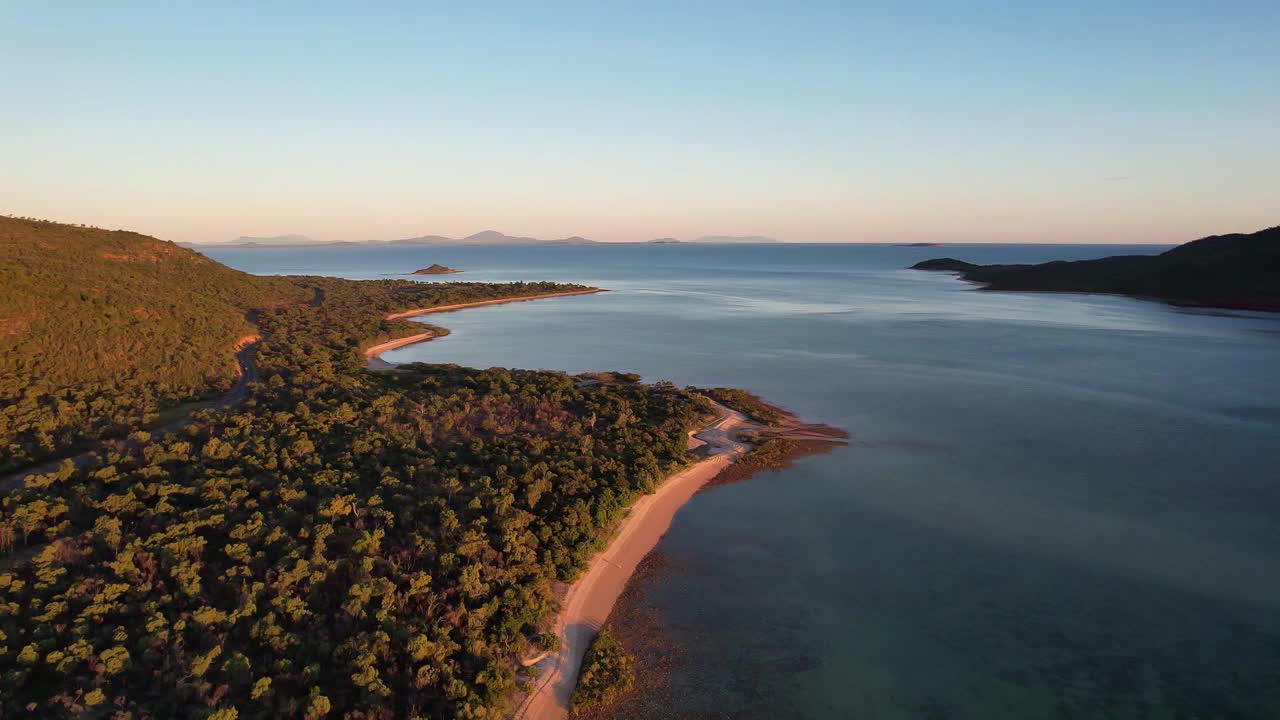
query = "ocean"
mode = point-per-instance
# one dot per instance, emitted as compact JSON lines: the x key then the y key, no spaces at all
{"x":1052,"y":505}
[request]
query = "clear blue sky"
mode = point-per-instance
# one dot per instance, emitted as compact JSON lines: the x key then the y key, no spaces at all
{"x":1075,"y":121}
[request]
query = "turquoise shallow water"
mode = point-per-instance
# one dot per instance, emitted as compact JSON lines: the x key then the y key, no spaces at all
{"x":1054,"y":506}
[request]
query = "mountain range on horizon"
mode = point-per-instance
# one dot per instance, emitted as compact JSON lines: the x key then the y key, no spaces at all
{"x":484,"y":237}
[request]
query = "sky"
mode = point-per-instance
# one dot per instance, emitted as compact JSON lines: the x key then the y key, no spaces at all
{"x":810,"y":122}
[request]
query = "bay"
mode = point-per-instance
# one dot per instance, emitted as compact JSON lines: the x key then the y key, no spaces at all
{"x":1053,"y":506}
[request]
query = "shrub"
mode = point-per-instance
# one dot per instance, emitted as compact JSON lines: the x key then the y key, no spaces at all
{"x":607,"y":672}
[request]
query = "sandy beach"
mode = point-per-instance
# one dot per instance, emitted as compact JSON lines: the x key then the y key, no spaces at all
{"x":373,"y":362}
{"x":499,"y":301}
{"x":592,"y":596}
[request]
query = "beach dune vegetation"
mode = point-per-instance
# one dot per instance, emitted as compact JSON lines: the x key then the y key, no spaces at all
{"x":607,"y":672}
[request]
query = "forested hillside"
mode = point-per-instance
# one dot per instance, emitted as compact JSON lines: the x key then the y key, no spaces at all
{"x":99,"y":330}
{"x":342,"y":543}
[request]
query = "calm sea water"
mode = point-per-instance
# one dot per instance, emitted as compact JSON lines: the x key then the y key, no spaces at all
{"x":1054,"y":506}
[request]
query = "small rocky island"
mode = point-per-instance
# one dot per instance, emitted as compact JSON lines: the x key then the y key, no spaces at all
{"x":436,"y":269}
{"x":1239,"y":271}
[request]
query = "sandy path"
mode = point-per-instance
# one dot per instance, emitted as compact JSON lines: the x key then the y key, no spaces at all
{"x":592,"y":597}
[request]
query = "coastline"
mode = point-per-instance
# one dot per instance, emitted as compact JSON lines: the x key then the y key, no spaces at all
{"x":592,"y":596}
{"x":1173,"y":302}
{"x":499,"y":301}
{"x":655,"y":651}
{"x":373,"y":361}
{"x":729,"y":443}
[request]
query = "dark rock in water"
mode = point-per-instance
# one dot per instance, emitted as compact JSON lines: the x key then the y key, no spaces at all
{"x":944,"y":264}
{"x":1240,"y":271}
{"x":436,"y":269}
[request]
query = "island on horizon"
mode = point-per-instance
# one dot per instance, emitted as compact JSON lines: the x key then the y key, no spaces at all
{"x":435,"y":269}
{"x":484,"y":238}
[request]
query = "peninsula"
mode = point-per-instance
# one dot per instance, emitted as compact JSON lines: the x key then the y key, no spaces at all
{"x":236,"y":516}
{"x":1239,"y":271}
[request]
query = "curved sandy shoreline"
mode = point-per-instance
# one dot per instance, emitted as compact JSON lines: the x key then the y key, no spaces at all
{"x":591,"y":598}
{"x":498,"y":301}
{"x":373,"y":362}
{"x":371,"y":355}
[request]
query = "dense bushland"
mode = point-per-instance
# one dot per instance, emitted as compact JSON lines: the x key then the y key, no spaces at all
{"x":100,"y":330}
{"x":342,"y":543}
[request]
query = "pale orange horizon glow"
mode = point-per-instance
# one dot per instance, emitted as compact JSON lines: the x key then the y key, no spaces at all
{"x":184,"y":220}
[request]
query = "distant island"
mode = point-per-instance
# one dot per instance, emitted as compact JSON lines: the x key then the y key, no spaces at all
{"x":921,"y":244}
{"x":1238,"y":271}
{"x":487,"y":238}
{"x":738,"y":239}
{"x":435,"y":269}
{"x":274,"y":241}
{"x":484,"y":237}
